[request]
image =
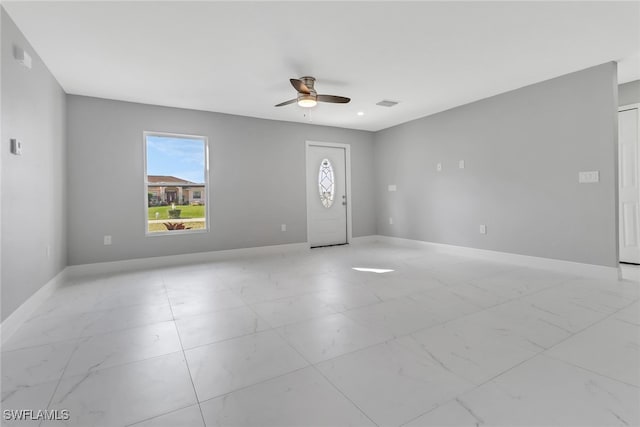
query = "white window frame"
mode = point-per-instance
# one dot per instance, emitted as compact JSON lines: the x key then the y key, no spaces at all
{"x":206,"y":191}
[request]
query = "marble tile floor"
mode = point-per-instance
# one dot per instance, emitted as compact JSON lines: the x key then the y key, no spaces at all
{"x":303,"y":339}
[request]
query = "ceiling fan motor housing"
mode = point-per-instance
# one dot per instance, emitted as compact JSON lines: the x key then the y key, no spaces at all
{"x":309,"y":82}
{"x":308,"y":97}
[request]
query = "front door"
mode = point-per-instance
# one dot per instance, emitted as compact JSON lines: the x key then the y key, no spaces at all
{"x":326,"y":195}
{"x":629,"y":192}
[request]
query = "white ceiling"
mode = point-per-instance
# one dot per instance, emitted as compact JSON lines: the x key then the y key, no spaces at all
{"x":237,"y":57}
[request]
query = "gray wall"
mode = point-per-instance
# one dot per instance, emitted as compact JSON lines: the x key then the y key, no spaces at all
{"x":33,"y":185}
{"x":257,"y":179}
{"x":629,"y":93}
{"x":523,"y":151}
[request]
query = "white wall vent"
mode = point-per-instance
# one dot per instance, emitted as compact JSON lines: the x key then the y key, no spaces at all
{"x":386,"y":103}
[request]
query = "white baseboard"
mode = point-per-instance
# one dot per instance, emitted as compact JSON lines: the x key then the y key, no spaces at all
{"x":22,"y":313}
{"x":84,"y":270}
{"x":580,"y":269}
{"x":11,"y":324}
{"x":363,"y":240}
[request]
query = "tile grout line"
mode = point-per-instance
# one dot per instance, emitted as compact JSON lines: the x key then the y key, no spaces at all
{"x":128,"y":328}
{"x":244,"y":387}
{"x":343,"y":394}
{"x":313,"y":365}
{"x":229,"y":339}
{"x":610,"y":316}
{"x":481,"y":310}
{"x":64,"y":370}
{"x":557,"y":343}
{"x":157,"y":416}
{"x":591,"y":371}
{"x":443,"y":286}
{"x":541,"y":352}
{"x":186,"y":362}
{"x":394,"y":337}
{"x":79,"y":340}
{"x":79,"y":337}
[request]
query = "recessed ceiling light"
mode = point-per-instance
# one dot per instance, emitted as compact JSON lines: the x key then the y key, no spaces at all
{"x":361,"y":113}
{"x":373,"y":270}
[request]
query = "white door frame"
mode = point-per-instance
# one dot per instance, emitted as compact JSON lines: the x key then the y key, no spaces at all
{"x":620,"y":109}
{"x":347,"y":154}
{"x":628,"y":107}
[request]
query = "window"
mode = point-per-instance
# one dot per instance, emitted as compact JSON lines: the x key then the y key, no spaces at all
{"x":176,"y":175}
{"x":326,"y":183}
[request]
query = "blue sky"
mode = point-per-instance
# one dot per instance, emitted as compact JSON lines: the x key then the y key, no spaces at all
{"x":179,"y":157}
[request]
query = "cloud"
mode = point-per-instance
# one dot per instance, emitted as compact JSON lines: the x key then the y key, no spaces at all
{"x":180,"y":157}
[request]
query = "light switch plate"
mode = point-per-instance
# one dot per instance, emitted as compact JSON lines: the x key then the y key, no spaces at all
{"x":16,"y":147}
{"x":392,"y":187}
{"x":483,"y":229}
{"x":588,"y":177}
{"x":439,"y":167}
{"x":107,"y":240}
{"x":461,"y":164}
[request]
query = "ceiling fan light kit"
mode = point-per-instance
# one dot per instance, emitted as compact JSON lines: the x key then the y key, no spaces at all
{"x":307,"y":101}
{"x":307,"y":95}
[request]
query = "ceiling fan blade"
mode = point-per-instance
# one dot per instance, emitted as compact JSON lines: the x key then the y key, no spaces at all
{"x":291,"y":101}
{"x":334,"y":99}
{"x":299,"y":86}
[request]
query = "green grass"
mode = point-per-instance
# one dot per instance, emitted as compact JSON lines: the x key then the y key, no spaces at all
{"x":186,"y":212}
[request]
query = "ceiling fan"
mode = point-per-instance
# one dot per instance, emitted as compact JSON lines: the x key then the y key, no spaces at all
{"x":307,"y":95}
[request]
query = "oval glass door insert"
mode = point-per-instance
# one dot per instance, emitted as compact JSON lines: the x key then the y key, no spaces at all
{"x":326,"y":184}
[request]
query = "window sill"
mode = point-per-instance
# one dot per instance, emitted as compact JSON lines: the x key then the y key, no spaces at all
{"x":176,"y":232}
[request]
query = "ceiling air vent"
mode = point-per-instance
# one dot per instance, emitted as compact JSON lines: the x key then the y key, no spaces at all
{"x":386,"y":103}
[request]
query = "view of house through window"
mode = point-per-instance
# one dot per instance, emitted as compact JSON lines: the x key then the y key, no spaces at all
{"x":176,"y":182}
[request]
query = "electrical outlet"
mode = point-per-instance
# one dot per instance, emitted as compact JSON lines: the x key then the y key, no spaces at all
{"x":283,"y":227}
{"x":16,"y":147}
{"x":589,"y":177}
{"x":392,"y":187}
{"x":107,"y":240}
{"x":390,"y":221}
{"x":483,"y":229}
